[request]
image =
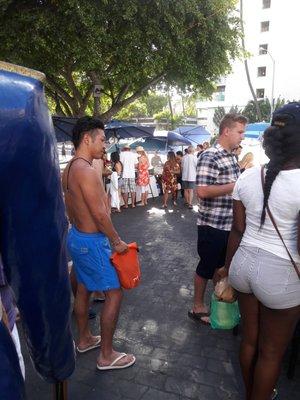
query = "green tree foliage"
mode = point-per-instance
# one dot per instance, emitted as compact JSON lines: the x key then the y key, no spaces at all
{"x":265,"y":108}
{"x":126,"y":46}
{"x":137,"y":109}
{"x":166,"y":117}
{"x":154,"y":103}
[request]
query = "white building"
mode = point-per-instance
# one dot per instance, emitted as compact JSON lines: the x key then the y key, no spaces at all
{"x":268,"y":24}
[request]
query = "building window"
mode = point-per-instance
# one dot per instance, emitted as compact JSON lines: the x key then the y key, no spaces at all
{"x":220,"y":93}
{"x":263,"y":48}
{"x":264,"y":26}
{"x":261,"y":71}
{"x":260,"y":93}
{"x":266,"y":3}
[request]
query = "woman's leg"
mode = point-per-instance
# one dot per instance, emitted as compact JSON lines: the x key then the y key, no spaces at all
{"x":165,"y":197}
{"x":249,"y":308}
{"x":275,"y":331}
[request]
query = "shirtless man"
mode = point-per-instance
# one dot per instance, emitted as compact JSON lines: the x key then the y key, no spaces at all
{"x":88,"y":243}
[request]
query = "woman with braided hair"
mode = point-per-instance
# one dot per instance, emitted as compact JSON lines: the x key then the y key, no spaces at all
{"x":262,"y":267}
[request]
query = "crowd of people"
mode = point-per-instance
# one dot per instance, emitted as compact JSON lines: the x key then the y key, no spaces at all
{"x":236,"y":236}
{"x":248,"y":230}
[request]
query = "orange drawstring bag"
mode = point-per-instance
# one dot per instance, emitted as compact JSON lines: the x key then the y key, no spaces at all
{"x":128,"y":266}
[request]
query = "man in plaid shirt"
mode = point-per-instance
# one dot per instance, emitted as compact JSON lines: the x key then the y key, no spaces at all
{"x":217,"y":172}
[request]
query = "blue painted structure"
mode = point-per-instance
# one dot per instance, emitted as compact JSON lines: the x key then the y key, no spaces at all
{"x":256,"y":130}
{"x":197,"y":134}
{"x":33,"y":226}
{"x":125,"y":130}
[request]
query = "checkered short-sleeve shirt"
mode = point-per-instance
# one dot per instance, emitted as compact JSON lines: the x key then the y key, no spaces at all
{"x":216,"y":166}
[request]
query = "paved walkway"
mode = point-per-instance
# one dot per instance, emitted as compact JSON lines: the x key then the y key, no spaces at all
{"x":177,"y":359}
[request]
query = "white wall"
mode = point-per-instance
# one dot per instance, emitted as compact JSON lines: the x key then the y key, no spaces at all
{"x":282,"y":45}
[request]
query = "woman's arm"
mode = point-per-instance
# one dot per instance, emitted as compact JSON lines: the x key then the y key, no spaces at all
{"x":236,"y":234}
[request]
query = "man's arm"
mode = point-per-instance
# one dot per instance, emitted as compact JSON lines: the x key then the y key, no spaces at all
{"x":207,"y":174}
{"x":94,"y":197}
{"x":211,"y":191}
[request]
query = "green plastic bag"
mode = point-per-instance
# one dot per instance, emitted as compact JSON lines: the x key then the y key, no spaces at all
{"x":223,"y":315}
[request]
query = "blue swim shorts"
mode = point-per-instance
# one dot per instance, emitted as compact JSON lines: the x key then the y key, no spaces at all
{"x":90,"y":253}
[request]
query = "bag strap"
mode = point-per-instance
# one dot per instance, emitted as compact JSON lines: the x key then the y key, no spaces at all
{"x":276,"y":227}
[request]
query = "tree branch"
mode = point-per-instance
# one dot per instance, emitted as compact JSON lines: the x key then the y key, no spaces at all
{"x":63,"y":94}
{"x":67,"y":74}
{"x":117,"y":106}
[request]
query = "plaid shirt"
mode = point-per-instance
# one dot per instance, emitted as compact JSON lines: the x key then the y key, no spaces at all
{"x":216,"y":166}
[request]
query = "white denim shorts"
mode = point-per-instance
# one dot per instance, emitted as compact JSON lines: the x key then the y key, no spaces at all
{"x":272,"y":279}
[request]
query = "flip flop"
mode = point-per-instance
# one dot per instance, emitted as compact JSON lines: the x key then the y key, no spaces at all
{"x":274,"y":394}
{"x":93,"y":346}
{"x":197,"y":316}
{"x":113,"y":364}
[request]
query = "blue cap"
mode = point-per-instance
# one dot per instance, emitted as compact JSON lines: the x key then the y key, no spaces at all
{"x":289,"y":114}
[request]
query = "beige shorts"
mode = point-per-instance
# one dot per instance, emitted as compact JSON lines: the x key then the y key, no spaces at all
{"x":272,"y":279}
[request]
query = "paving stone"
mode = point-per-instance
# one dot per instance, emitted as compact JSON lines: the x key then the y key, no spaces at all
{"x":177,"y":358}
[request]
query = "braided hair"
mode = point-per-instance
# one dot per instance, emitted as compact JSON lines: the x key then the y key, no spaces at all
{"x":282,"y":145}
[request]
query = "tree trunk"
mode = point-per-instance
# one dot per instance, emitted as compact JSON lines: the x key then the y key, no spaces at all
{"x":246,"y":66}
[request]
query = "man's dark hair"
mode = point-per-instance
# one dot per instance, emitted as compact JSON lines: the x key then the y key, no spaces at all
{"x":85,"y":125}
{"x":230,"y":119}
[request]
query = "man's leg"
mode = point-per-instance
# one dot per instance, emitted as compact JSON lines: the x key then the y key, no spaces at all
{"x":81,"y":308}
{"x":108,"y":322}
{"x":132,"y":199}
{"x":190,"y":196}
{"x":199,"y":291}
{"x":125,"y":198}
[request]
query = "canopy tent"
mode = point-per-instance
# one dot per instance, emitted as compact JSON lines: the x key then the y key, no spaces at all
{"x":116,"y":129}
{"x":151,"y":144}
{"x":124,"y":130}
{"x":197,"y":134}
{"x":63,"y":128}
{"x":173,"y":139}
{"x":256,"y":130}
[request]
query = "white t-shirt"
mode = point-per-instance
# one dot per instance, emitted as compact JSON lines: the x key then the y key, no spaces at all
{"x":189,"y":167}
{"x":128,"y":161}
{"x":284,"y":203}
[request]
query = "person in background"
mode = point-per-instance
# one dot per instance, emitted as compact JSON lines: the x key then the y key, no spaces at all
{"x":129,"y":161}
{"x":179,"y":156}
{"x":205,"y":146}
{"x":63,"y":150}
{"x":260,"y":268}
{"x":156,"y":161}
{"x":188,"y":170}
{"x":217,"y":172}
{"x":247,"y":161}
{"x":199,"y":149}
{"x":115,"y":181}
{"x":169,"y":178}
{"x":237,"y":152}
{"x":143,"y":178}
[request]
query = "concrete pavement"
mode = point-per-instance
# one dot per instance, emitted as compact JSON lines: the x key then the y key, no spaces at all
{"x":177,"y":359}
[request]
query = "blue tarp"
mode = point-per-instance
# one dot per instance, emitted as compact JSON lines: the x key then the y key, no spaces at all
{"x":174,"y":139}
{"x":119,"y":129}
{"x":151,"y":144}
{"x":256,"y":130}
{"x":197,"y":134}
{"x":124,"y":130}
